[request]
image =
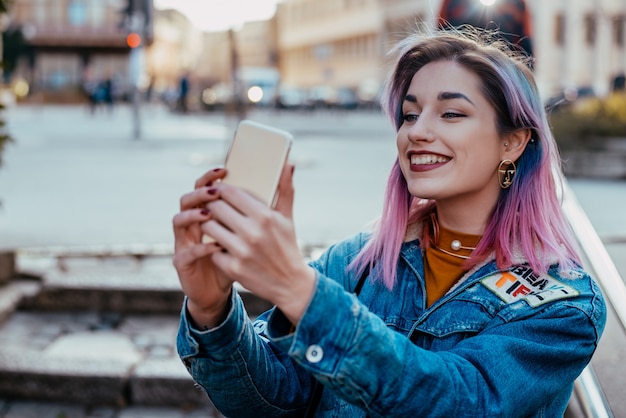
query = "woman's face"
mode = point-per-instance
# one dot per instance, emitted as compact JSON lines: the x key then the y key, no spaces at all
{"x":448,"y":146}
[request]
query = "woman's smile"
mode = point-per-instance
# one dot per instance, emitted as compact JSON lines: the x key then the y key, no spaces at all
{"x":424,"y":161}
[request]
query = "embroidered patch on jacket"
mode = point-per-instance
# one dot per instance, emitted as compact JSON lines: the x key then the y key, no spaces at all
{"x":522,"y":283}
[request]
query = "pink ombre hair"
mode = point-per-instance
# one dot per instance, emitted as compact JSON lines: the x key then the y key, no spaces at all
{"x":527,"y":218}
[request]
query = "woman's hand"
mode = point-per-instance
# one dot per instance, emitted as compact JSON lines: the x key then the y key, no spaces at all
{"x":207,"y":289}
{"x":260,"y":247}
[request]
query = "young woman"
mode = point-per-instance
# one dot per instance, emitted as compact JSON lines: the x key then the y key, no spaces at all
{"x":471,"y":299}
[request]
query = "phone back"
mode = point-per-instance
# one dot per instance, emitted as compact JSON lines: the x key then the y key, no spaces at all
{"x":256,"y":158}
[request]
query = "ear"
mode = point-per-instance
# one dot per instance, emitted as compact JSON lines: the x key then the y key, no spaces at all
{"x":514,"y":144}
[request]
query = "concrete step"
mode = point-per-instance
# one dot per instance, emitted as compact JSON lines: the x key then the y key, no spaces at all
{"x":117,"y":284}
{"x":94,"y":359}
{"x":97,"y":329}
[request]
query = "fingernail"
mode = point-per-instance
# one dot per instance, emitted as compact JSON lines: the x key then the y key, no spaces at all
{"x":215,"y":170}
{"x":205,"y":212}
{"x":209,"y":184}
{"x":293,"y":168}
{"x":212,"y":191}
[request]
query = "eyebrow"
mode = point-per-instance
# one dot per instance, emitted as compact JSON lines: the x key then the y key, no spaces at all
{"x":444,"y":95}
{"x":451,"y":95}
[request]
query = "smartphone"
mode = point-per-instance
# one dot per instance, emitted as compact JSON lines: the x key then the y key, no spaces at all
{"x":255,"y":160}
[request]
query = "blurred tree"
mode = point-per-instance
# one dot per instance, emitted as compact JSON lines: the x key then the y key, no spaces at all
{"x":4,"y":137}
{"x":12,"y":49}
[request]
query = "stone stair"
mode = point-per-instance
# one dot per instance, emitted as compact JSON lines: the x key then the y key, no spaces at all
{"x":96,"y":328}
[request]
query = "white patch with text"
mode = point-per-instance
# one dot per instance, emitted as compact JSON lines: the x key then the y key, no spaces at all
{"x":522,"y":283}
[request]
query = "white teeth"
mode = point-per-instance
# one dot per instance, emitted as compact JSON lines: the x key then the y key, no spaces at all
{"x":427,"y":159}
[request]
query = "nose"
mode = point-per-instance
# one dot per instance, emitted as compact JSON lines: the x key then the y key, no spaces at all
{"x":420,"y":130}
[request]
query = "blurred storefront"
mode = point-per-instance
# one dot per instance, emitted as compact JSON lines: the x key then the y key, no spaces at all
{"x":68,"y":46}
{"x":324,"y":52}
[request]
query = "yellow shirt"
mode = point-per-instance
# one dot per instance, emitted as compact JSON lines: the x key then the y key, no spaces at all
{"x":443,"y":270}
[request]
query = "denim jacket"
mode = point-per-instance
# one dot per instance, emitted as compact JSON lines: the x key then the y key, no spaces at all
{"x":499,"y":344}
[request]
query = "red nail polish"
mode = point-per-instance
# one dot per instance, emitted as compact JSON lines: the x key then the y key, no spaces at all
{"x":212,"y":191}
{"x":216,"y":170}
{"x":209,"y":184}
{"x":205,"y":212}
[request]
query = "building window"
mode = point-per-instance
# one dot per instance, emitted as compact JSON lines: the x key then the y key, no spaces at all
{"x":77,"y":13}
{"x":559,"y":30}
{"x":618,"y":30}
{"x":590,"y":29}
{"x":41,"y":12}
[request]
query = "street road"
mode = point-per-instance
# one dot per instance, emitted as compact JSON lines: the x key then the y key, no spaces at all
{"x":74,"y":179}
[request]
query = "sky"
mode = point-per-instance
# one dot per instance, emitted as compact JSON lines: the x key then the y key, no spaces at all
{"x":218,"y":15}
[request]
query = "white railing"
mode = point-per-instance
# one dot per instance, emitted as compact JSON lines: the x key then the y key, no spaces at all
{"x":599,"y":259}
{"x":587,"y":389}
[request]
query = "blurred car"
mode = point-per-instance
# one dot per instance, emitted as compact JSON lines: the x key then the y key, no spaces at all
{"x":567,"y":97}
{"x":329,"y":97}
{"x":217,"y":96}
{"x":346,"y":98}
{"x":322,"y":97}
{"x":368,"y":94}
{"x":292,"y":98}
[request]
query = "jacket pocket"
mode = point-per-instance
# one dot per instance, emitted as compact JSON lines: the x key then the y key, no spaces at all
{"x":453,"y":321}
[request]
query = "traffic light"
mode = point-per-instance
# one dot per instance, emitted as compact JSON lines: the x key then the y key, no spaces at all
{"x":133,"y":40}
{"x":136,"y":21}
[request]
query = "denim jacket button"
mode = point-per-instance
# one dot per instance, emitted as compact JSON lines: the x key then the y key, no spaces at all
{"x":314,"y":354}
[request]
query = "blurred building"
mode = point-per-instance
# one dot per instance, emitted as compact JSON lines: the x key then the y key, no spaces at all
{"x":580,"y":44}
{"x":320,"y":50}
{"x":577,"y":44}
{"x":177,"y":50}
{"x":327,"y":44}
{"x":68,"y":43}
{"x":240,"y":59}
{"x":214,"y":63}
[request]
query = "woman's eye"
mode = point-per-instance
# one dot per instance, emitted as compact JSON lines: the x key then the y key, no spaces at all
{"x":450,"y":115}
{"x":410,"y":117}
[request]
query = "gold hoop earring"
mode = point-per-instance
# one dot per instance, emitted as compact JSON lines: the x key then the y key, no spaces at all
{"x":506,"y":172}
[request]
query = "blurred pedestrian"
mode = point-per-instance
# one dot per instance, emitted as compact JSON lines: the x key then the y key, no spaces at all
{"x":183,"y":92}
{"x":106,"y":92}
{"x":468,"y":299}
{"x":90,"y":90}
{"x":150,"y":89}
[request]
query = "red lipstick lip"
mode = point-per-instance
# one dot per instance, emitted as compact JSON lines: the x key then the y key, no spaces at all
{"x":425,"y":167}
